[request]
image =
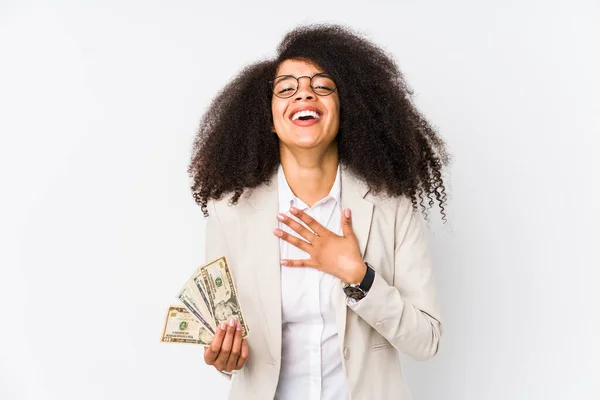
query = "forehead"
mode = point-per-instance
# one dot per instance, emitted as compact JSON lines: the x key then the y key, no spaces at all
{"x":298,"y":68}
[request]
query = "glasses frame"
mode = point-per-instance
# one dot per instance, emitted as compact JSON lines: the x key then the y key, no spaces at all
{"x":280,"y":77}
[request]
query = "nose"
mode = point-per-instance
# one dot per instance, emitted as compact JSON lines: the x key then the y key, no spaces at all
{"x":304,"y":89}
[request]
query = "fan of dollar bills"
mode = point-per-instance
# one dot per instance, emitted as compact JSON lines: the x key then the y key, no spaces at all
{"x":209,"y":297}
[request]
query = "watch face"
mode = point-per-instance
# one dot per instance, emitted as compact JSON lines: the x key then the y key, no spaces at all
{"x":354,"y":292}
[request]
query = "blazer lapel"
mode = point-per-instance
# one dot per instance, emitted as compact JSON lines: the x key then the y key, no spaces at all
{"x":262,"y":242}
{"x":354,"y":191}
{"x":353,"y":197}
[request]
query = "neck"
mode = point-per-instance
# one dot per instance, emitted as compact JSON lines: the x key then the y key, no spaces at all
{"x":310,"y":174}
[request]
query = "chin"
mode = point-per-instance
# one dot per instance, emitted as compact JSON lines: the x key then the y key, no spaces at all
{"x":305,"y":140}
{"x":307,"y":143}
{"x":302,"y":141}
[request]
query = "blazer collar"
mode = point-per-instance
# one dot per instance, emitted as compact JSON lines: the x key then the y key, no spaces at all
{"x":264,"y":196}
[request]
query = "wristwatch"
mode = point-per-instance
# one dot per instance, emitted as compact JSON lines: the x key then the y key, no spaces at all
{"x":360,"y":290}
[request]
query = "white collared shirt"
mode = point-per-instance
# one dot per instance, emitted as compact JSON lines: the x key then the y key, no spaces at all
{"x":311,"y":361}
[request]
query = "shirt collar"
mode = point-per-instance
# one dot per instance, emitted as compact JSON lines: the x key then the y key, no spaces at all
{"x":287,"y":198}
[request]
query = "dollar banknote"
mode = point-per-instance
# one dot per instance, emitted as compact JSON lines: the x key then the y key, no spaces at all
{"x":195,"y":289}
{"x":181,"y":327}
{"x":200,"y":288}
{"x":195,"y":282}
{"x":221,"y":293}
{"x":193,"y":302}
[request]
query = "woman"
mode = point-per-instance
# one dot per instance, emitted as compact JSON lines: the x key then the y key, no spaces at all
{"x":312,"y":168}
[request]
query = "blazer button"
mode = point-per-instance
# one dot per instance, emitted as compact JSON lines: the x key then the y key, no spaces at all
{"x":347,"y":353}
{"x":379,"y":325}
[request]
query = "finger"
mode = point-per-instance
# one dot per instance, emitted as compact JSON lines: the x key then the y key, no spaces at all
{"x":236,"y":348}
{"x":243,"y":355}
{"x":347,"y":223}
{"x":299,"y":228}
{"x":223,"y":357}
{"x":212,"y":352}
{"x":296,"y":241}
{"x":300,"y":263}
{"x":312,"y":223}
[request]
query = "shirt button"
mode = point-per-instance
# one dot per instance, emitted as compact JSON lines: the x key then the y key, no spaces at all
{"x":379,"y":325}
{"x":347,"y":353}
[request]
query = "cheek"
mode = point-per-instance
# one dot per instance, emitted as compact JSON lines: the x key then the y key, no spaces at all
{"x":277,"y":104}
{"x":276,"y":114}
{"x":333,"y":105}
{"x":277,"y":110}
{"x":336,"y":115}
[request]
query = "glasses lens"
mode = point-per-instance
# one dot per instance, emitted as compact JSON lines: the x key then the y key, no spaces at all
{"x":323,"y":85}
{"x":285,"y":87}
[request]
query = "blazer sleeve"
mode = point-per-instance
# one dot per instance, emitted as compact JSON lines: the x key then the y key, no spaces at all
{"x":215,"y":243}
{"x":406,"y":312}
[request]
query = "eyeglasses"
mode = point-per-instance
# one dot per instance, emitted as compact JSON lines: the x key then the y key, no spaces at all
{"x":285,"y":86}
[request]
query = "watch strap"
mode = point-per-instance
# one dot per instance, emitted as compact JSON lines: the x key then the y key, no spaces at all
{"x":359,"y":290}
{"x":369,"y":278}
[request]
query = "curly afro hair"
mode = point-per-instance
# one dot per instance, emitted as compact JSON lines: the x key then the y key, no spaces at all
{"x":383,"y":139}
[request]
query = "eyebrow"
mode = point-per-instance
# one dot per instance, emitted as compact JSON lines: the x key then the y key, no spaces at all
{"x":284,"y":75}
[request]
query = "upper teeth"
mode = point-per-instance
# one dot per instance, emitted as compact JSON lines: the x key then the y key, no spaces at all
{"x":305,"y":113}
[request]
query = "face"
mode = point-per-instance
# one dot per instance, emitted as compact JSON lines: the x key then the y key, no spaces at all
{"x":305,"y":132}
{"x":205,"y":336}
{"x":223,"y":311}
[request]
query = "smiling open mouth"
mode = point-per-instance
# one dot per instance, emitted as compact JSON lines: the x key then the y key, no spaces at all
{"x":306,"y":115}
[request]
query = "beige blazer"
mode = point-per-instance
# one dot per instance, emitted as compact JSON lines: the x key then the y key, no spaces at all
{"x":399,"y":314}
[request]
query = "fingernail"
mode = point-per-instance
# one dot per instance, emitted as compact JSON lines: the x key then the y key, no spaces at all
{"x":232,"y":322}
{"x":281,"y":217}
{"x":277,"y":232}
{"x":347,"y":212}
{"x":223,"y":325}
{"x":284,"y":262}
{"x":239,"y":327}
{"x":294,"y":210}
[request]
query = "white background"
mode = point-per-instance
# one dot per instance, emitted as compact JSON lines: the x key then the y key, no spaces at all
{"x":99,"y":102}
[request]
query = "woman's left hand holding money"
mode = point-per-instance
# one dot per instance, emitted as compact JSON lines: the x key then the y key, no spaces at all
{"x":227,"y":352}
{"x":330,"y":253}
